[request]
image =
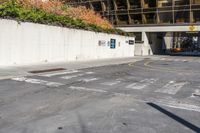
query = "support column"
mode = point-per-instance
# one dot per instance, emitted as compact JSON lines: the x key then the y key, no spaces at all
{"x":115,"y":11}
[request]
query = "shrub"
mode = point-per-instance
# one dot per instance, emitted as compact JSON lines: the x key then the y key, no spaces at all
{"x":54,"y":12}
{"x":88,"y":16}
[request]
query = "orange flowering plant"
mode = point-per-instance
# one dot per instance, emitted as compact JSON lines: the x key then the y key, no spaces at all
{"x":88,"y":16}
{"x":55,"y":12}
{"x":58,"y":7}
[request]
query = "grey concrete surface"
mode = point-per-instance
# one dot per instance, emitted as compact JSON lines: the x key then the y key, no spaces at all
{"x":150,"y":95}
{"x":7,"y":72}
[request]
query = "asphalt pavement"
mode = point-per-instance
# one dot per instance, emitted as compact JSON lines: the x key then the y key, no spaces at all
{"x":147,"y":95}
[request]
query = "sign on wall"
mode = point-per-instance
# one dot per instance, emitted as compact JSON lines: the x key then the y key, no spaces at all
{"x":192,"y":28}
{"x":131,"y":42}
{"x":102,"y":43}
{"x":112,"y":43}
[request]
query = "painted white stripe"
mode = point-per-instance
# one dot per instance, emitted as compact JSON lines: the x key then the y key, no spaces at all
{"x":86,"y":89}
{"x":136,"y":86}
{"x":121,"y":94}
{"x":72,"y":76}
{"x":172,"y":87}
{"x":111,"y":83}
{"x":183,"y":106}
{"x":89,"y":79}
{"x":172,"y":103}
{"x":38,"y":81}
{"x":89,"y":73}
{"x":142,"y":84}
{"x":77,"y":75}
{"x":60,"y":73}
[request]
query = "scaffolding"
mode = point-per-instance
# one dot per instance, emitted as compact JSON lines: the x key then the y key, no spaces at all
{"x":145,"y":12}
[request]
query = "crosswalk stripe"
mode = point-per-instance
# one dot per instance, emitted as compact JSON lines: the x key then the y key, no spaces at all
{"x":38,"y":81}
{"x":181,"y":60}
{"x":141,"y":84}
{"x":178,"y":105}
{"x":72,"y":76}
{"x":111,"y":83}
{"x":86,"y":89}
{"x":77,"y":75}
{"x":172,"y":87}
{"x":89,"y":79}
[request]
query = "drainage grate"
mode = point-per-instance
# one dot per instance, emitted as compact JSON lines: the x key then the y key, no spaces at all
{"x":47,"y":70}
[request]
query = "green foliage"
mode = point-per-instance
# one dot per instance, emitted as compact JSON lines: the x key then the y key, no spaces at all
{"x":12,"y":10}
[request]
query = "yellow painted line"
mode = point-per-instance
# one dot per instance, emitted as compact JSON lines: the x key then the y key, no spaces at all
{"x":147,"y":64}
{"x":131,"y":64}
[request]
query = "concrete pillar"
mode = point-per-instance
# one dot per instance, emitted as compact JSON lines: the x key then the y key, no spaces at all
{"x":146,"y":48}
{"x":167,"y":42}
{"x":145,"y":38}
{"x":198,"y":41}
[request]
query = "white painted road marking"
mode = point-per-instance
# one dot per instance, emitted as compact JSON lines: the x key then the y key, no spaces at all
{"x":89,"y":79}
{"x":175,"y":60}
{"x":38,"y":81}
{"x":86,"y":89}
{"x":72,"y":76}
{"x":141,"y":84}
{"x":172,"y":87}
{"x":111,"y":83}
{"x":175,"y":104}
{"x":89,"y":73}
{"x":77,"y":75}
{"x":60,"y":73}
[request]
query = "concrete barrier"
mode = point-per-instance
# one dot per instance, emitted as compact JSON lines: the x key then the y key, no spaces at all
{"x":28,"y":43}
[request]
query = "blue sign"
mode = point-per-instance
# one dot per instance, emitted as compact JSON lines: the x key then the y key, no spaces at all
{"x":112,"y":43}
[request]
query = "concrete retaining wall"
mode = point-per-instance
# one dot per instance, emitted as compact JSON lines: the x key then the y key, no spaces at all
{"x":27,"y":43}
{"x":142,"y":50}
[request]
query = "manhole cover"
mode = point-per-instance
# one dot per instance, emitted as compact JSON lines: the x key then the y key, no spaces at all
{"x":46,"y":70}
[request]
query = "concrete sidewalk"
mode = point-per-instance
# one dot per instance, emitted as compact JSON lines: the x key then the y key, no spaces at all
{"x":17,"y":71}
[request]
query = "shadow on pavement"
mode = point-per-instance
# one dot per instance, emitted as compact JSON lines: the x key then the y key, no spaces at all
{"x":176,"y":118}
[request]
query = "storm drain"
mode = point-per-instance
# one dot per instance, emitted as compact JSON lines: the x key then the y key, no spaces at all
{"x":46,"y":70}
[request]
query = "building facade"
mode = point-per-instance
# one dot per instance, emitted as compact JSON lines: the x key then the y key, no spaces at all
{"x":160,"y":26}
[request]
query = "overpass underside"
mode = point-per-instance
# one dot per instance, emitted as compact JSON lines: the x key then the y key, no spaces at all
{"x":182,"y":40}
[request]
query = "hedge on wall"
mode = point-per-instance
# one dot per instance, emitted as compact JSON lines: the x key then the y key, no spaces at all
{"x":17,"y":10}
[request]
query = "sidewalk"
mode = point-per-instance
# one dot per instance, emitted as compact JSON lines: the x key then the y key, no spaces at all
{"x":17,"y":71}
